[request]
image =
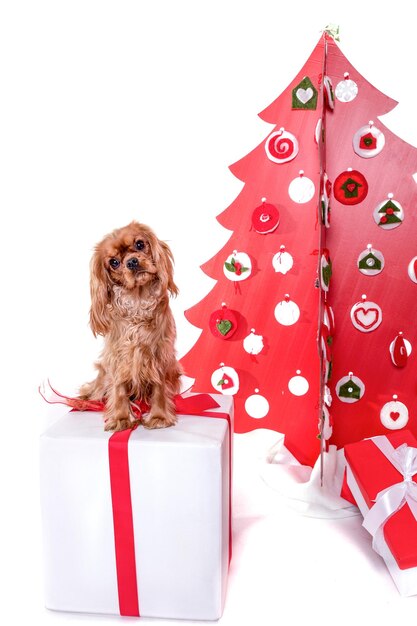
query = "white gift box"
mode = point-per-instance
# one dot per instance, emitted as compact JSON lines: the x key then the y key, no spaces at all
{"x":180,"y":509}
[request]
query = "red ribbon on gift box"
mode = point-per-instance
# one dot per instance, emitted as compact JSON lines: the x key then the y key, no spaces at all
{"x":124,"y":540}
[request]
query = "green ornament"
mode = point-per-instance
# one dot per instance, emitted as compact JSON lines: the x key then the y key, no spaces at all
{"x":351,"y":188}
{"x":327,"y":274}
{"x":304,"y":95}
{"x":224,"y":326}
{"x":350,"y":390}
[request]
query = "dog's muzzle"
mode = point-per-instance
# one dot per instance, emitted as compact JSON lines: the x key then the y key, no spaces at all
{"x":133,"y":264}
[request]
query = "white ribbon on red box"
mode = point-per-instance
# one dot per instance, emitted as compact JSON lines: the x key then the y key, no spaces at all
{"x":390,"y":500}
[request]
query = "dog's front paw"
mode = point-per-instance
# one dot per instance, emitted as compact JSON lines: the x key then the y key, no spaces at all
{"x":118,"y":424}
{"x":159,"y":421}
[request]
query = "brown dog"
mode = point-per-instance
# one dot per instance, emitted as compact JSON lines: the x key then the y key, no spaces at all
{"x":131,"y":279}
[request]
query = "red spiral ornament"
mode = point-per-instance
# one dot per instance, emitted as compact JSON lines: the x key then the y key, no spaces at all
{"x":281,"y":146}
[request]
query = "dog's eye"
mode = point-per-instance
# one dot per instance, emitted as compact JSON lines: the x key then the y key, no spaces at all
{"x":114,"y":263}
{"x":139,"y":244}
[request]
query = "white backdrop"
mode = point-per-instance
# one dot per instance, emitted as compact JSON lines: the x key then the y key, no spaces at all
{"x":119,"y":110}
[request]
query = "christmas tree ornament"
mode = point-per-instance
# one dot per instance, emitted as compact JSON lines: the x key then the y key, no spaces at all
{"x":326,"y":190}
{"x":370,"y":262}
{"x":327,"y":424}
{"x":328,"y":92}
{"x":253,"y":344}
{"x":389,"y":214}
{"x":327,"y":370}
{"x":412,"y":269}
{"x":287,"y":312}
{"x":256,"y":406}
{"x":350,"y":187}
{"x":400,"y":349}
{"x":350,"y":388}
{"x":366,"y":316}
{"x":301,"y":189}
{"x":394,"y":414}
{"x":326,"y":341}
{"x":237,"y":266}
{"x":328,"y":318}
{"x":281,"y":146}
{"x":225,"y":380}
{"x":346,"y":90}
{"x":319,"y":132}
{"x":368,"y":141}
{"x":298,"y":385}
{"x":325,"y":269}
{"x":282,"y":261}
{"x":327,"y":396}
{"x":304,"y":95}
{"x":223,"y":323}
{"x":265,"y":218}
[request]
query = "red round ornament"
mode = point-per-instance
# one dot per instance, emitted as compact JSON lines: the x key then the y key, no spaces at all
{"x":223,"y":323}
{"x":265,"y":218}
{"x":350,"y":187}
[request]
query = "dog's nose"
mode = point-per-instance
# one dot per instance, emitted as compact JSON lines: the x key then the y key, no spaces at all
{"x":132,"y":264}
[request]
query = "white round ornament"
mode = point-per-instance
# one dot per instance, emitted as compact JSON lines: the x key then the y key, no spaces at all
{"x":318,"y":131}
{"x":346,"y":90}
{"x":368,"y":141}
{"x":238,"y":266}
{"x":370,"y":262}
{"x":394,"y":415}
{"x":225,"y":380}
{"x":350,"y":389}
{"x":366,"y":316}
{"x":298,"y":385}
{"x":256,"y":406}
{"x":287,"y":312}
{"x":282,"y":261}
{"x":301,"y":189}
{"x":281,"y":146}
{"x":253,"y":344}
{"x":412,"y":269}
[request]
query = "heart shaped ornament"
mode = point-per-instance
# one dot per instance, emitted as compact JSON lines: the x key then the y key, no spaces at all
{"x":366,"y":316}
{"x":394,"y":415}
{"x":304,"y":95}
{"x":223,"y":323}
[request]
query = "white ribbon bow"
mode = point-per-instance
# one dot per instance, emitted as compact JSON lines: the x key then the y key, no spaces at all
{"x":390,"y":500}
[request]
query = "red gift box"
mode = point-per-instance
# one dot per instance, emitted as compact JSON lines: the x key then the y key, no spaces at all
{"x":382,"y":476}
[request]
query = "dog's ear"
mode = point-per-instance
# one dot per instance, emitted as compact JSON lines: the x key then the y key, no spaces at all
{"x":100,"y":295}
{"x":164,"y":260}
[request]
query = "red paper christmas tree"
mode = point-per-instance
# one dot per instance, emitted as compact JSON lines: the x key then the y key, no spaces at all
{"x":269,"y":336}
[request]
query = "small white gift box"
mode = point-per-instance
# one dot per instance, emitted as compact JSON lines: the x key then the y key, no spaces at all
{"x":138,"y":522}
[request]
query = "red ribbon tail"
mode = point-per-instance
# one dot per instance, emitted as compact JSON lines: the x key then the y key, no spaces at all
{"x":124,"y":540}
